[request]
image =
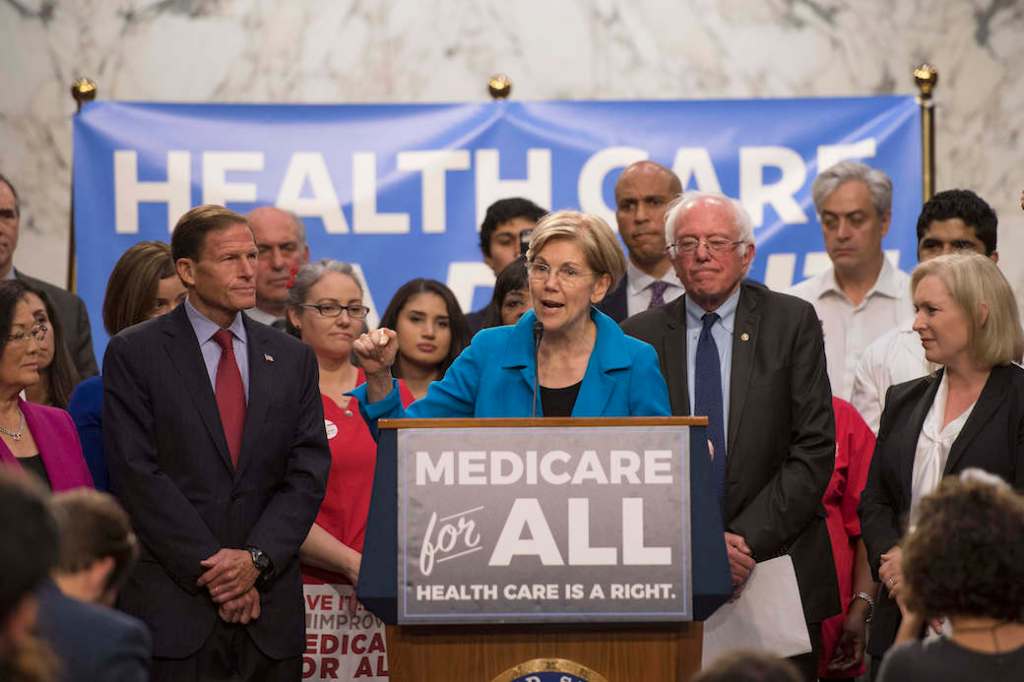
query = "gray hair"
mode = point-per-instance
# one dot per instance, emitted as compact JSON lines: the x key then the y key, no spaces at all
{"x":17,"y":202}
{"x":300,"y":226}
{"x":687,"y":200}
{"x":878,"y":183}
{"x":311,"y":273}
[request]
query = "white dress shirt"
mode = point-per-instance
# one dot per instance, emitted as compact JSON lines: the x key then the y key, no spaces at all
{"x":934,"y":444}
{"x":638,"y":288}
{"x":849,"y":328}
{"x":896,"y":357}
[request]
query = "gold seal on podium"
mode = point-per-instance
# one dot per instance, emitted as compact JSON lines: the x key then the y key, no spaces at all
{"x":553,"y":669}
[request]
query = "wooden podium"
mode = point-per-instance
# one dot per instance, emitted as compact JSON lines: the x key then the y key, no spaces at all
{"x":597,"y":650}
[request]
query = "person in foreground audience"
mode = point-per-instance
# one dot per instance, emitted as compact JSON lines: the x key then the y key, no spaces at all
{"x":749,"y":666}
{"x":962,"y":561}
{"x":35,"y":437}
{"x":28,"y":545}
{"x":954,"y":221}
{"x":57,"y":374}
{"x":70,"y":308}
{"x":431,"y":329}
{"x":97,"y":551}
{"x":500,"y":234}
{"x":862,"y":295}
{"x":643,"y":193}
{"x":326,"y":308}
{"x":142,"y":285}
{"x":753,"y":362}
{"x":281,"y":240}
{"x":580,"y":362}
{"x":511,"y":295}
{"x":968,"y":414}
{"x":213,"y":430}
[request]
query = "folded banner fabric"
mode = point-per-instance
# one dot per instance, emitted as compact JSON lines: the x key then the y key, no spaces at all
{"x":400,"y":190}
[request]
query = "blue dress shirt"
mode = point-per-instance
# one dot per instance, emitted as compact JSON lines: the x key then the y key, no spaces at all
{"x":205,"y":329}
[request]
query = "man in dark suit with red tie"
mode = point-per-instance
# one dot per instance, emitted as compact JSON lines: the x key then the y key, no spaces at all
{"x":215,"y":441}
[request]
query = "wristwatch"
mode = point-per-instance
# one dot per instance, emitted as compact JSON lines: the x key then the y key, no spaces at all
{"x":263,"y":564}
{"x":870,"y":602}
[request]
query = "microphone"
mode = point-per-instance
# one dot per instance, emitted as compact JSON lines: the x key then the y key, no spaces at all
{"x":538,"y":332}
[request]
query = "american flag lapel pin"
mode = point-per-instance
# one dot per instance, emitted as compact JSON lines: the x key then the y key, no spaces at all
{"x":268,"y":357}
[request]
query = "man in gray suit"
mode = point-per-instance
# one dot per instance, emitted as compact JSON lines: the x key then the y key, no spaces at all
{"x":71,"y":313}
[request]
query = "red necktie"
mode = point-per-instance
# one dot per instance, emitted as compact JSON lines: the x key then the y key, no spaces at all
{"x":230,"y":394}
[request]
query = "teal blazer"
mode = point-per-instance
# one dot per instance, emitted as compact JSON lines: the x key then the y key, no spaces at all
{"x":494,"y":375}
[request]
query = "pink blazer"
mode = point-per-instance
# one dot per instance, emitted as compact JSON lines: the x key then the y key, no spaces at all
{"x":57,"y":440}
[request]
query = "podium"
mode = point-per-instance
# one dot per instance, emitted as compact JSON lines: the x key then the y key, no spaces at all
{"x":533,"y":549}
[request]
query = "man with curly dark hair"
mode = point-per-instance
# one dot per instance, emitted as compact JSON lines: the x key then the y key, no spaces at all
{"x":964,"y":561}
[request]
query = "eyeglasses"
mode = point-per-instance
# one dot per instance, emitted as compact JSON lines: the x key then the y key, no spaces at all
{"x":568,"y":276}
{"x":714,"y":245}
{"x":37,"y":332}
{"x":354,"y":310}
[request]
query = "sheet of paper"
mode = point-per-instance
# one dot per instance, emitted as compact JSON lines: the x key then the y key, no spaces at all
{"x":768,"y":616}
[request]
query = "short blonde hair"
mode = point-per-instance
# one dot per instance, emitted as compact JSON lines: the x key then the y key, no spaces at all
{"x":595,"y":238}
{"x":972,"y":280}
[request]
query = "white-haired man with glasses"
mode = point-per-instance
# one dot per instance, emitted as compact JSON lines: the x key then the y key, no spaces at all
{"x":753,"y":362}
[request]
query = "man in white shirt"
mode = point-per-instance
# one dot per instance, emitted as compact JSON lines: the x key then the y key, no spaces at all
{"x":951,"y":221}
{"x":643,"y":193}
{"x":281,"y":240}
{"x":862,"y":295}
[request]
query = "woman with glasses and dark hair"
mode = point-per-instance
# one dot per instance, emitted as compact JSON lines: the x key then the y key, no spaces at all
{"x":511,"y":295}
{"x":431,"y":329}
{"x":37,"y":438}
{"x":143,"y":285}
{"x":57,"y":373}
{"x":581,"y":362}
{"x":325,"y":307}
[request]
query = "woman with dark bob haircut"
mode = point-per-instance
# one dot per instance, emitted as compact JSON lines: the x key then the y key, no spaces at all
{"x":432,"y":331}
{"x":964,"y":561}
{"x":57,"y":373}
{"x":511,"y":296}
{"x":142,"y":285}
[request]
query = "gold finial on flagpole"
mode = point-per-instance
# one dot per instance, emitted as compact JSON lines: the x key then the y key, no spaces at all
{"x":83,"y":90}
{"x":500,"y":86}
{"x":926,"y":77}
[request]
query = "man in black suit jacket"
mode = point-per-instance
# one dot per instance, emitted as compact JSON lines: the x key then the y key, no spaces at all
{"x":97,"y":550}
{"x":779,"y":432}
{"x":216,"y":446}
{"x":74,"y":319}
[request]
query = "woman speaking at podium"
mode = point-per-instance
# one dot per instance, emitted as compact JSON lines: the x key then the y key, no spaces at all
{"x":563,"y":358}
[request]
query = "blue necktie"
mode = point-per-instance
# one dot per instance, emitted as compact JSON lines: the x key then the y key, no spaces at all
{"x":707,"y":395}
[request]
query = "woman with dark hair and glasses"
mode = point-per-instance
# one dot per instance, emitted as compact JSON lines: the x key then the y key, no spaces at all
{"x":37,"y":438}
{"x":57,"y":373}
{"x":142,"y":285}
{"x":325,"y":307}
{"x":431,"y":329}
{"x":511,"y":295}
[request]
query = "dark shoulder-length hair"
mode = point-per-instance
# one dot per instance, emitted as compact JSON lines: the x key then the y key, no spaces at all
{"x":61,"y":376}
{"x":133,"y":284}
{"x":513,"y":278}
{"x":456,"y":319}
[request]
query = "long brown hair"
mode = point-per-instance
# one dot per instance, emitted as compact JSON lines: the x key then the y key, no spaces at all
{"x":132,"y":287}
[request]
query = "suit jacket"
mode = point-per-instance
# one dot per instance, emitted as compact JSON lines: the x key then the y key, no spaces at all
{"x":615,"y":304}
{"x":74,"y":322}
{"x":494,"y":377}
{"x":57,"y":440}
{"x":781,"y":431}
{"x":992,"y":439}
{"x":94,"y":643}
{"x":170,"y":466}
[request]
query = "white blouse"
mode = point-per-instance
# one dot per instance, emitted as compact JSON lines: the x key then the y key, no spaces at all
{"x":934,"y":444}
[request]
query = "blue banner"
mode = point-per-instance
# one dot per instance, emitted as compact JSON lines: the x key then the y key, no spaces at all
{"x":400,"y":190}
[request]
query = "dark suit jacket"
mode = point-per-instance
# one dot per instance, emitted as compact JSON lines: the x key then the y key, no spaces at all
{"x":992,"y":439}
{"x":169,"y":464}
{"x":781,"y":435}
{"x":92,"y":642}
{"x":74,"y":322}
{"x":615,"y":304}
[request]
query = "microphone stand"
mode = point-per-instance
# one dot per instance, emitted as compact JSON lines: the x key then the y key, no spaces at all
{"x":538,"y":332}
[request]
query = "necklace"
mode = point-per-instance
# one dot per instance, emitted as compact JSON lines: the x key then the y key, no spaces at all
{"x":15,"y":435}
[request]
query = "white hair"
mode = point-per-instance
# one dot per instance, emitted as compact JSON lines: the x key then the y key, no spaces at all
{"x":687,"y":200}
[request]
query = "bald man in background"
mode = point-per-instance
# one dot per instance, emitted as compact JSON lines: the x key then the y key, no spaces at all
{"x":281,"y":240}
{"x":642,"y":195}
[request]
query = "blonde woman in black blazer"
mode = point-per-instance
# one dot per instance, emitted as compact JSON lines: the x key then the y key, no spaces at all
{"x":968,"y":321}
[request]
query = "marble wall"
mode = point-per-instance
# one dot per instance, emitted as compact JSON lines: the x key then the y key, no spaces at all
{"x":444,"y":50}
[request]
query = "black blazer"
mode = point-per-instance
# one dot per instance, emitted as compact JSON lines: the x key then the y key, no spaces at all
{"x":615,"y":304}
{"x":74,"y":322}
{"x":170,"y":466}
{"x":781,"y":435}
{"x":992,"y":439}
{"x":93,"y":643}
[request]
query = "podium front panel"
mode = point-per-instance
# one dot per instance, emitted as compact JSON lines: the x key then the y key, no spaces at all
{"x":566,"y":524}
